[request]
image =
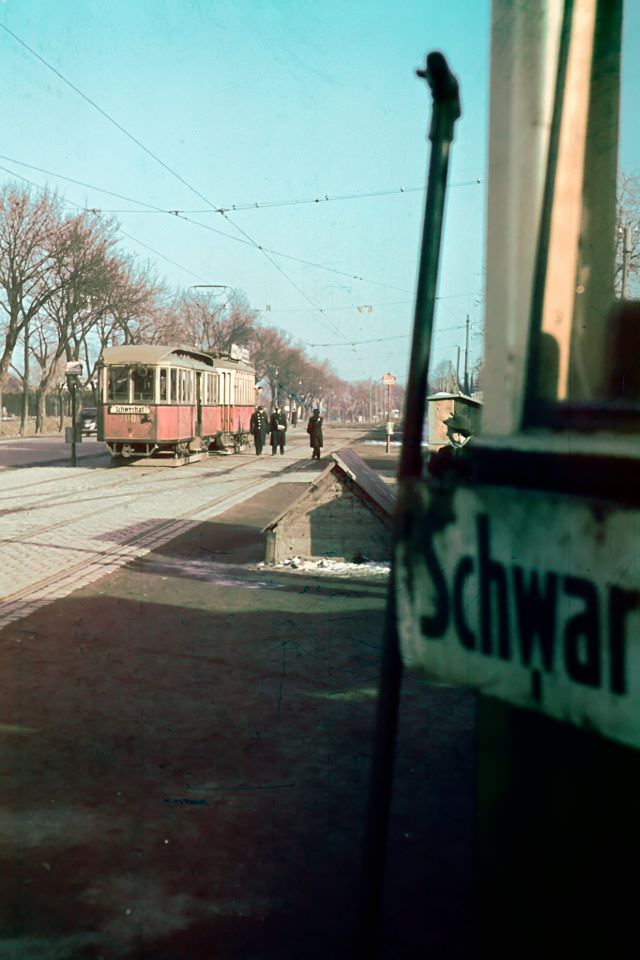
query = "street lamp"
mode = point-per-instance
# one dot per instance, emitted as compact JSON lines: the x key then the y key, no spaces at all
{"x":212,"y":286}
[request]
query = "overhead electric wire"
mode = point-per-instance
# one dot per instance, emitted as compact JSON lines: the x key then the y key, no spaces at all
{"x":161,"y":255}
{"x":268,"y":204}
{"x":345,"y":343}
{"x":104,"y":113}
{"x":204,"y":226}
{"x":165,"y":166}
{"x":267,"y":253}
{"x":81,"y":207}
{"x":401,"y":336}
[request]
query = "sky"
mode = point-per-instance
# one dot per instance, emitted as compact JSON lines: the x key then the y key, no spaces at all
{"x":262,"y":104}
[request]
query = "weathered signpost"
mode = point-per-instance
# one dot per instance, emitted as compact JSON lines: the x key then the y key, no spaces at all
{"x":388,"y":380}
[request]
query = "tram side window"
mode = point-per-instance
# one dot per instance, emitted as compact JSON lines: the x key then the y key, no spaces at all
{"x":182,"y":381}
{"x":173,"y":376}
{"x":164,"y":386}
{"x":119,"y":383}
{"x":142,"y":379}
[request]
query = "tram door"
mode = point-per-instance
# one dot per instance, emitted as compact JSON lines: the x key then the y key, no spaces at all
{"x":199,"y":391}
{"x":517,"y":569}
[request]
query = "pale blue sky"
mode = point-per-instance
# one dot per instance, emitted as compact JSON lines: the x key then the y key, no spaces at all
{"x":258,"y":101}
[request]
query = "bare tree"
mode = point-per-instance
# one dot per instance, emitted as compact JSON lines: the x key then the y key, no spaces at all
{"x":84,"y":275}
{"x":627,"y":257}
{"x":203,"y":321}
{"x":28,"y":226}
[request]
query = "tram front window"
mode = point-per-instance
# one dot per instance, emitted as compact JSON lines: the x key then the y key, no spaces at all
{"x":119,"y":383}
{"x":142,"y":380}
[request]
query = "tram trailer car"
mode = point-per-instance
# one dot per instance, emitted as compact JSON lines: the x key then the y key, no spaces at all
{"x":160,"y":400}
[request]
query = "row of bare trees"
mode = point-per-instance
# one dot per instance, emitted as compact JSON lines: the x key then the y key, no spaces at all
{"x":67,"y":291}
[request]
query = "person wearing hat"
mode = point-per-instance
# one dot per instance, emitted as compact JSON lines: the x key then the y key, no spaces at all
{"x":278,"y":428}
{"x":258,"y":426}
{"x":458,"y":429}
{"x":314,"y":429}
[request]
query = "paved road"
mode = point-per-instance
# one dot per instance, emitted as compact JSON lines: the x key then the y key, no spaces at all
{"x":31,"y":451}
{"x":63,"y":528}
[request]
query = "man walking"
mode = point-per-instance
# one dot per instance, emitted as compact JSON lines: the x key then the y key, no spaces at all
{"x":278,"y":428}
{"x":258,"y":426}
{"x":314,"y":429}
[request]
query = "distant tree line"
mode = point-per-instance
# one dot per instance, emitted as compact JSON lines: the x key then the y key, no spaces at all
{"x":67,"y":291}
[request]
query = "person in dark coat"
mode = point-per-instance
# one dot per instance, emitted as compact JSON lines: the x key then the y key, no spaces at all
{"x":278,"y":428}
{"x":314,"y":429}
{"x":258,"y":427}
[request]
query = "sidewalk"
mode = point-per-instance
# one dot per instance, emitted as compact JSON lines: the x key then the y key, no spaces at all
{"x":186,"y":756}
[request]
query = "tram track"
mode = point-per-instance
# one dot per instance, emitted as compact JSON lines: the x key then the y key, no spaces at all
{"x":84,"y":571}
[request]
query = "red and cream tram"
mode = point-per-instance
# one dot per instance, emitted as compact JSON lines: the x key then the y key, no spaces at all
{"x":157,"y":400}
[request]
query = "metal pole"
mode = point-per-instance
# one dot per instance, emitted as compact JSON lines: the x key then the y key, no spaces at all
{"x":72,"y":388}
{"x":466,"y":359}
{"x":446,"y":110}
{"x":388,"y":435}
{"x":626,"y":257}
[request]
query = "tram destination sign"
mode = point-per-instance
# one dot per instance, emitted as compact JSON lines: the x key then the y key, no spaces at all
{"x":533,"y":598}
{"x":128,"y":408}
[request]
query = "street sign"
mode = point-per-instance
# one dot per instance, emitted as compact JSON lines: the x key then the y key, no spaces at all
{"x":530,"y":597}
{"x":389,"y":379}
{"x":73,"y":368}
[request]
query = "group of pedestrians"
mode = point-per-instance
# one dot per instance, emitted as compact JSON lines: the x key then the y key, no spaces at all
{"x":276,"y":426}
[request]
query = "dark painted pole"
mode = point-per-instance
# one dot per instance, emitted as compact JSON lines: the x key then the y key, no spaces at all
{"x":446,"y":110}
{"x":72,"y":389}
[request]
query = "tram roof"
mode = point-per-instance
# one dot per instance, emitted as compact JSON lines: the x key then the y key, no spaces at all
{"x":156,"y":353}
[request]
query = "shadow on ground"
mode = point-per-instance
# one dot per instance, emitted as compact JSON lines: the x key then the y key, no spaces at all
{"x":185,"y":768}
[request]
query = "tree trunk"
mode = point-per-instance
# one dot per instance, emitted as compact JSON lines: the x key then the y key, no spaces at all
{"x":41,"y":411}
{"x":24,"y":416}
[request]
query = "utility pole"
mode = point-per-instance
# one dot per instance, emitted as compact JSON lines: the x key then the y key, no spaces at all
{"x":465,"y":388}
{"x":458,"y":370}
{"x":626,"y":258}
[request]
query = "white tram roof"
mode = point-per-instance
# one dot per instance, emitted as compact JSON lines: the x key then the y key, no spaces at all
{"x":145,"y":353}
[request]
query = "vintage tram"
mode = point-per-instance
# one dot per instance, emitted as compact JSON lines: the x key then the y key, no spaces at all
{"x":162,"y":401}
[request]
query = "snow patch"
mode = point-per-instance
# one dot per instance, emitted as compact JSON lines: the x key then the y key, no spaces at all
{"x":326,"y":565}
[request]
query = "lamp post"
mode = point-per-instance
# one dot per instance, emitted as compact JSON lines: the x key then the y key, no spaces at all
{"x":212,"y":286}
{"x":73,"y":372}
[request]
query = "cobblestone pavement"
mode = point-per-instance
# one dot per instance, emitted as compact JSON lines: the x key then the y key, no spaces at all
{"x":62,"y":529}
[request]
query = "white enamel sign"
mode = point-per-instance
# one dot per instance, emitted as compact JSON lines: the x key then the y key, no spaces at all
{"x":128,"y":408}
{"x":533,"y":598}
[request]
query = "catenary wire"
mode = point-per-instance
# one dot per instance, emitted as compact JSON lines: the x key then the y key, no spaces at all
{"x":178,"y":215}
{"x":165,"y":166}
